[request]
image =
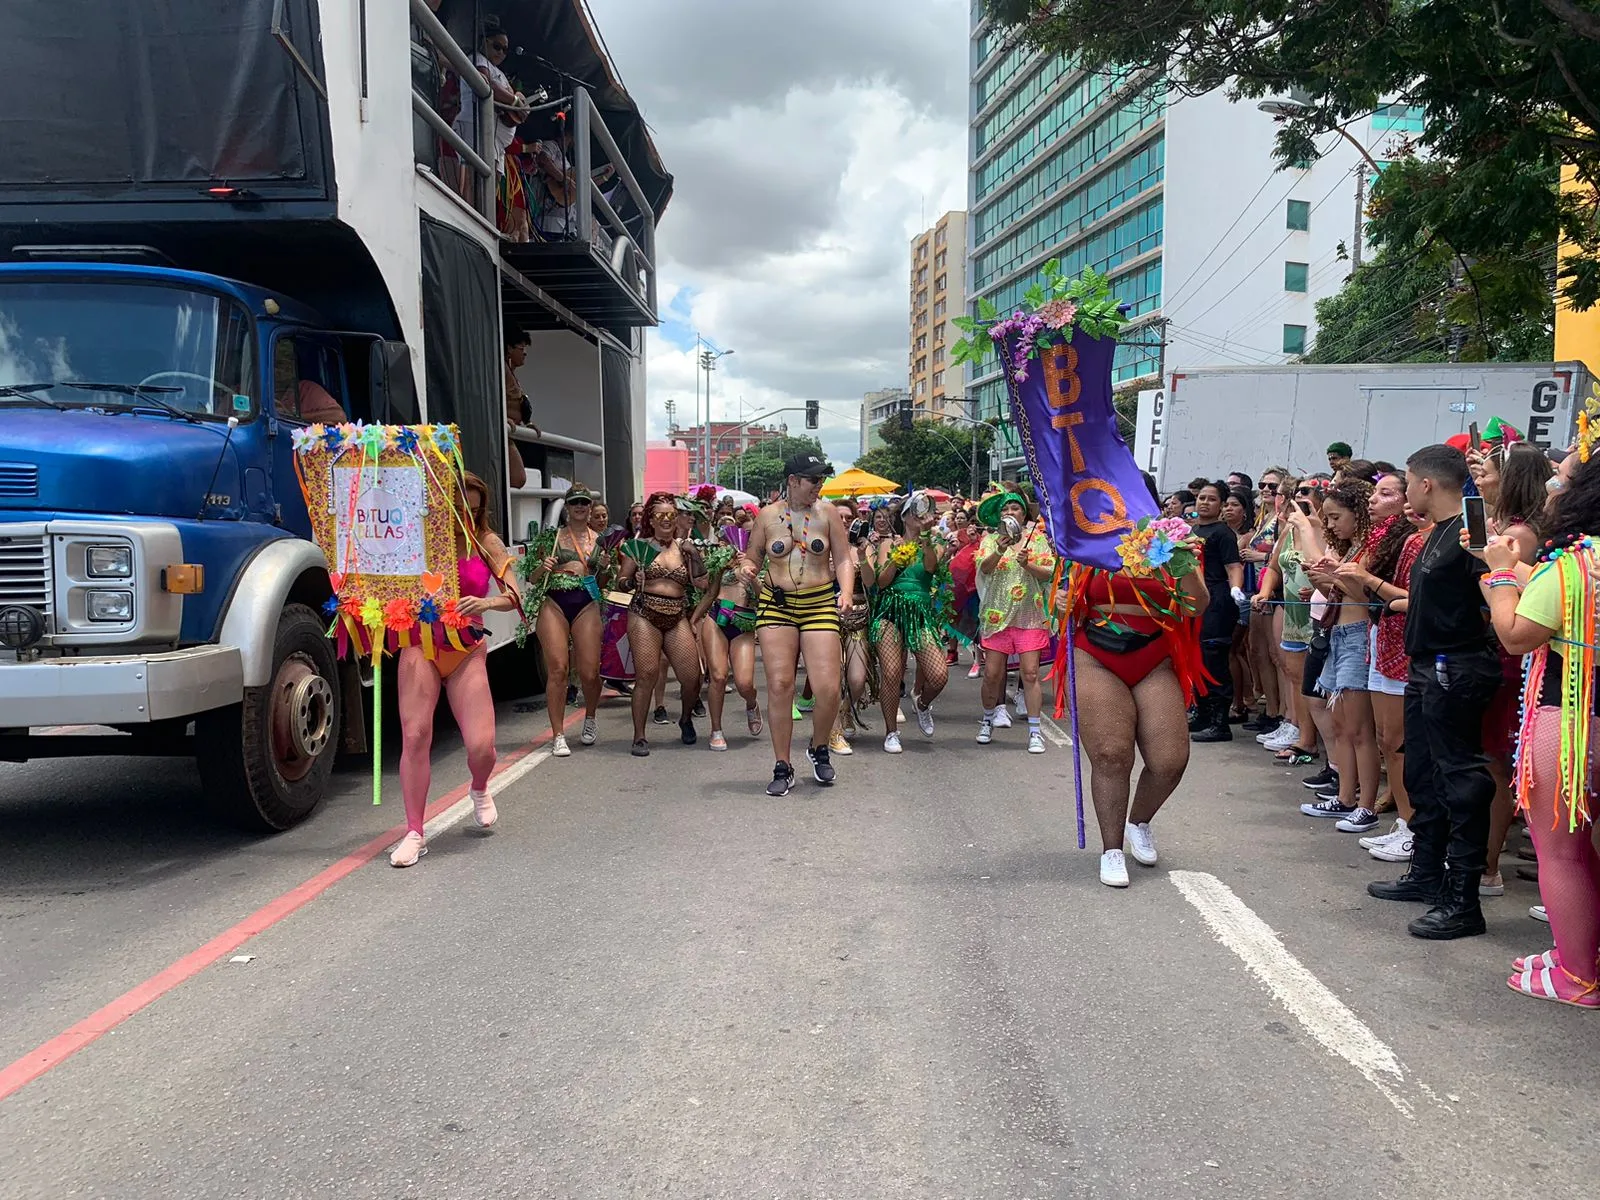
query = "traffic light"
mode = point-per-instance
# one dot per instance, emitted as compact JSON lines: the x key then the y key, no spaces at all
{"x":812,"y":409}
{"x":905,"y":411}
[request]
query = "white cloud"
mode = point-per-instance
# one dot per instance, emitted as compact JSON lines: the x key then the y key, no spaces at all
{"x":810,"y":143}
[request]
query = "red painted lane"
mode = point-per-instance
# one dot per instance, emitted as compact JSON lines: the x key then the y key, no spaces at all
{"x":64,"y":1045}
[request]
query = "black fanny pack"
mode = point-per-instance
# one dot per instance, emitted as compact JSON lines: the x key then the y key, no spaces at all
{"x":1115,"y":641}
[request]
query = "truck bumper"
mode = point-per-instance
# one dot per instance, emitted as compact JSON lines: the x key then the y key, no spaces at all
{"x":119,"y":691}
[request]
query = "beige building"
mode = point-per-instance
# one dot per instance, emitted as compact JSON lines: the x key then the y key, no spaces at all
{"x":938,"y":292}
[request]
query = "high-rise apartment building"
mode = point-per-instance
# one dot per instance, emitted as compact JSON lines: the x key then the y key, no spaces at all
{"x":938,"y":292}
{"x":1216,"y":252}
{"x":876,"y":408}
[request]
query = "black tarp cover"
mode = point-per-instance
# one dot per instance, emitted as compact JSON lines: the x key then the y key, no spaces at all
{"x":461,"y":352}
{"x":616,"y":407}
{"x":151,"y":92}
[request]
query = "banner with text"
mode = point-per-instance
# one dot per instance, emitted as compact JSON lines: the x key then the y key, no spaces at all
{"x":1089,"y":488}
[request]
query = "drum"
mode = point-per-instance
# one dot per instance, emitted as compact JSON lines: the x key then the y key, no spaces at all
{"x":616,"y":659}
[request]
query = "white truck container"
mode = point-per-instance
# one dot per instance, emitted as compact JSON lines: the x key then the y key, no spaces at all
{"x":1212,"y":420}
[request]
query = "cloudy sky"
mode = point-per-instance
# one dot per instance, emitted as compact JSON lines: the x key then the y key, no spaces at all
{"x":810,"y":143}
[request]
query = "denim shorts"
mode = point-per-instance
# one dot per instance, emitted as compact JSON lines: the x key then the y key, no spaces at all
{"x":1348,"y":654}
{"x":1377,"y":681}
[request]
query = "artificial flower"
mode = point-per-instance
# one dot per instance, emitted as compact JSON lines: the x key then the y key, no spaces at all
{"x":399,"y":614}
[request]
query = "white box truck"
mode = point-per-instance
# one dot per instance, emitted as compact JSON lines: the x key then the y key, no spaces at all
{"x":1212,"y":420}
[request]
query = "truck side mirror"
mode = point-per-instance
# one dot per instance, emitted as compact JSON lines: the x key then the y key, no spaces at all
{"x":393,"y":389}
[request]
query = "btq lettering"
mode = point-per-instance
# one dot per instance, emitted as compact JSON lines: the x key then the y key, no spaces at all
{"x":1063,"y":389}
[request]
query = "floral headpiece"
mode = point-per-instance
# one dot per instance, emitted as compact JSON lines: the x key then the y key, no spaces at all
{"x":1589,"y":423}
{"x":1056,"y":304}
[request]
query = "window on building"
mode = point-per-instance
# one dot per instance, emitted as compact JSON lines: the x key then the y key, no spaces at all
{"x":1406,"y":118}
{"x":922,"y":298}
{"x":939,"y":235}
{"x":938,"y":379}
{"x":1294,"y":339}
{"x":938,"y":356}
{"x":1294,"y":276}
{"x":939,"y":283}
{"x":1299,"y":215}
{"x":939,"y":308}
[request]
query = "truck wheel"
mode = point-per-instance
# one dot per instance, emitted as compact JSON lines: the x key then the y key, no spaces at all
{"x":265,"y":762}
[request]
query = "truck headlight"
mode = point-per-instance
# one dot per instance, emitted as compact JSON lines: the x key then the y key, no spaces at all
{"x":107,"y":605}
{"x":110,"y":562}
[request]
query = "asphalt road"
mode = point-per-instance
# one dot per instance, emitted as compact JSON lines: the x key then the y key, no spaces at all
{"x":651,"y":980}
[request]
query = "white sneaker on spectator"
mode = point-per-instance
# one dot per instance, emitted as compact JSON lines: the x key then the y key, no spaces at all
{"x":1113,"y":869}
{"x":1271,"y":734}
{"x":1360,"y":821}
{"x":1283,"y":741}
{"x":1002,"y":718}
{"x":1397,"y":833}
{"x":1396,"y":851}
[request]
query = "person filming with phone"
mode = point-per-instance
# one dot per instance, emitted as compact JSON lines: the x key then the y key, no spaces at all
{"x":1453,"y":677}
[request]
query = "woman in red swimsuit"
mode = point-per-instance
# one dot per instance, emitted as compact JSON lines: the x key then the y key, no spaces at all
{"x":1137,"y":662}
{"x":461,"y":674}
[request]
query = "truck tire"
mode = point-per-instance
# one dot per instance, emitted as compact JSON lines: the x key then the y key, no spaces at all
{"x":265,"y":763}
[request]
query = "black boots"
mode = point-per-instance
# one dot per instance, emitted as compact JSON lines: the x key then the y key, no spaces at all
{"x":1457,"y":912}
{"x":1420,"y":882}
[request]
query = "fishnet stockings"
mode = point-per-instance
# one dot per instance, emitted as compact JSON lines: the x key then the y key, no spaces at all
{"x":652,"y":651}
{"x":933,"y":672}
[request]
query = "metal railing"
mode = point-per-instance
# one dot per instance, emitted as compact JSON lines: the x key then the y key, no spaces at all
{"x":479,"y":159}
{"x":633,"y":239}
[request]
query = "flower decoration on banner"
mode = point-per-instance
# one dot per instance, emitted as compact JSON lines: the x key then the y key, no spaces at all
{"x":1589,"y":423}
{"x":333,"y":439}
{"x":305,"y":437}
{"x":451,"y":615}
{"x":1055,"y":306}
{"x":444,"y":439}
{"x":330,"y":606}
{"x":428,"y":611}
{"x":372,"y":613}
{"x":373,"y":439}
{"x":406,"y":440}
{"x":399,"y":615}
{"x":1155,"y":546}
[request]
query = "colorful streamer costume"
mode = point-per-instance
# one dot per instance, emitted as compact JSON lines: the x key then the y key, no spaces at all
{"x":1131,"y":645}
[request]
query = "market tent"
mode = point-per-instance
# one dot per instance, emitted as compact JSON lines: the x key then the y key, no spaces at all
{"x":856,"y":482}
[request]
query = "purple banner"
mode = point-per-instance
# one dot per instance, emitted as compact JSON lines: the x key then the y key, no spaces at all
{"x":1089,"y":487}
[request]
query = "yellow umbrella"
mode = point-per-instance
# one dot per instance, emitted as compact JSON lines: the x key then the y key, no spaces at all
{"x":856,"y":482}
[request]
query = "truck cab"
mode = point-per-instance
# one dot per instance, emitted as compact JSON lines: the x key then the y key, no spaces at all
{"x":291,"y":230}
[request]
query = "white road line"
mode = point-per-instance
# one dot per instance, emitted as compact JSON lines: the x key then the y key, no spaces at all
{"x":1323,"y":1015}
{"x":1054,"y":732}
{"x":458,"y":811}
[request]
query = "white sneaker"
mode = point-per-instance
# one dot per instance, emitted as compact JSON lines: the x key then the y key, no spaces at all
{"x":1289,"y":737}
{"x":891,"y":744}
{"x":1002,"y":718}
{"x":559,"y":747}
{"x":587,"y":737}
{"x":1398,"y":851}
{"x":1113,"y":869}
{"x":1022,"y":703}
{"x":924,"y":719}
{"x":985,"y":731}
{"x":1397,"y":833}
{"x":1269,"y":735}
{"x":1035,"y":742}
{"x":1142,"y":843}
{"x":1537,"y":912}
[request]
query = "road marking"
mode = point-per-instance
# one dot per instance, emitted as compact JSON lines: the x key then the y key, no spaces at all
{"x":1323,"y":1015}
{"x":444,"y":812}
{"x":1054,"y":732}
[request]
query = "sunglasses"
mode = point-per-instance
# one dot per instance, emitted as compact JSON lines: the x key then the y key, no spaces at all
{"x":578,"y":503}
{"x":1303,"y":491}
{"x":1269,"y":487}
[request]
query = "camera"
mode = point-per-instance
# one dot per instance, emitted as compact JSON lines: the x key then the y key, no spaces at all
{"x":858,"y":530}
{"x":1012,"y":528}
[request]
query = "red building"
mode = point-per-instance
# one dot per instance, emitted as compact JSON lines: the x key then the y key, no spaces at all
{"x":728,"y":438}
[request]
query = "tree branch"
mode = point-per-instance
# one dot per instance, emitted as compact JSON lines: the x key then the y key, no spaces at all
{"x":1578,"y":93}
{"x":1585,"y":23}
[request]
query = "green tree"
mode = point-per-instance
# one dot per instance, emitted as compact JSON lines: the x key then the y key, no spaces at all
{"x":1417,"y":305}
{"x":1510,"y":90}
{"x":763,"y":464}
{"x":930,"y":454}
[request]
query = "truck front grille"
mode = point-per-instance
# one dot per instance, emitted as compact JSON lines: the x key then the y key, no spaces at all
{"x":18,"y":481}
{"x":25,"y":572}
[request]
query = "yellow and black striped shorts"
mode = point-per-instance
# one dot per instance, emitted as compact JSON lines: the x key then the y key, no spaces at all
{"x":813,"y":609}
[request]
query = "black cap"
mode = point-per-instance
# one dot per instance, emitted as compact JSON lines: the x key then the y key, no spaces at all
{"x":807,"y":466}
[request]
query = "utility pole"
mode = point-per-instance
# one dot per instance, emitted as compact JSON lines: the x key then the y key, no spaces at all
{"x":1161,"y":324}
{"x":1361,"y":214}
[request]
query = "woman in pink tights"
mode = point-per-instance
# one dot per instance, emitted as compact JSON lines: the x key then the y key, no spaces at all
{"x":461,"y":674}
{"x":1550,"y":613}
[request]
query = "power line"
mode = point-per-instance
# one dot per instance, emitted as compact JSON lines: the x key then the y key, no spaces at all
{"x":1176,"y":292}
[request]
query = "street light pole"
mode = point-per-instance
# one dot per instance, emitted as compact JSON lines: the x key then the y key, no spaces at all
{"x":1285,"y":109}
{"x":708,"y":363}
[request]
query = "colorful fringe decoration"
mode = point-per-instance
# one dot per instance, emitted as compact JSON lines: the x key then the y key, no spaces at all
{"x":1575,"y":568}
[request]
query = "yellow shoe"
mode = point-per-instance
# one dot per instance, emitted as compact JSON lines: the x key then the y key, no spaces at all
{"x":838,"y":745}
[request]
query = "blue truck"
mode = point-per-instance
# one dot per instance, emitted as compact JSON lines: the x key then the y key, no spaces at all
{"x":296,"y":225}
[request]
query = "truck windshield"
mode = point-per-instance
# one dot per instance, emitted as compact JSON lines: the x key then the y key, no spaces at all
{"x":124,"y":346}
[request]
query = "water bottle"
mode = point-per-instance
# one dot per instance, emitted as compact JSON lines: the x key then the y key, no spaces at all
{"x":1440,"y":671}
